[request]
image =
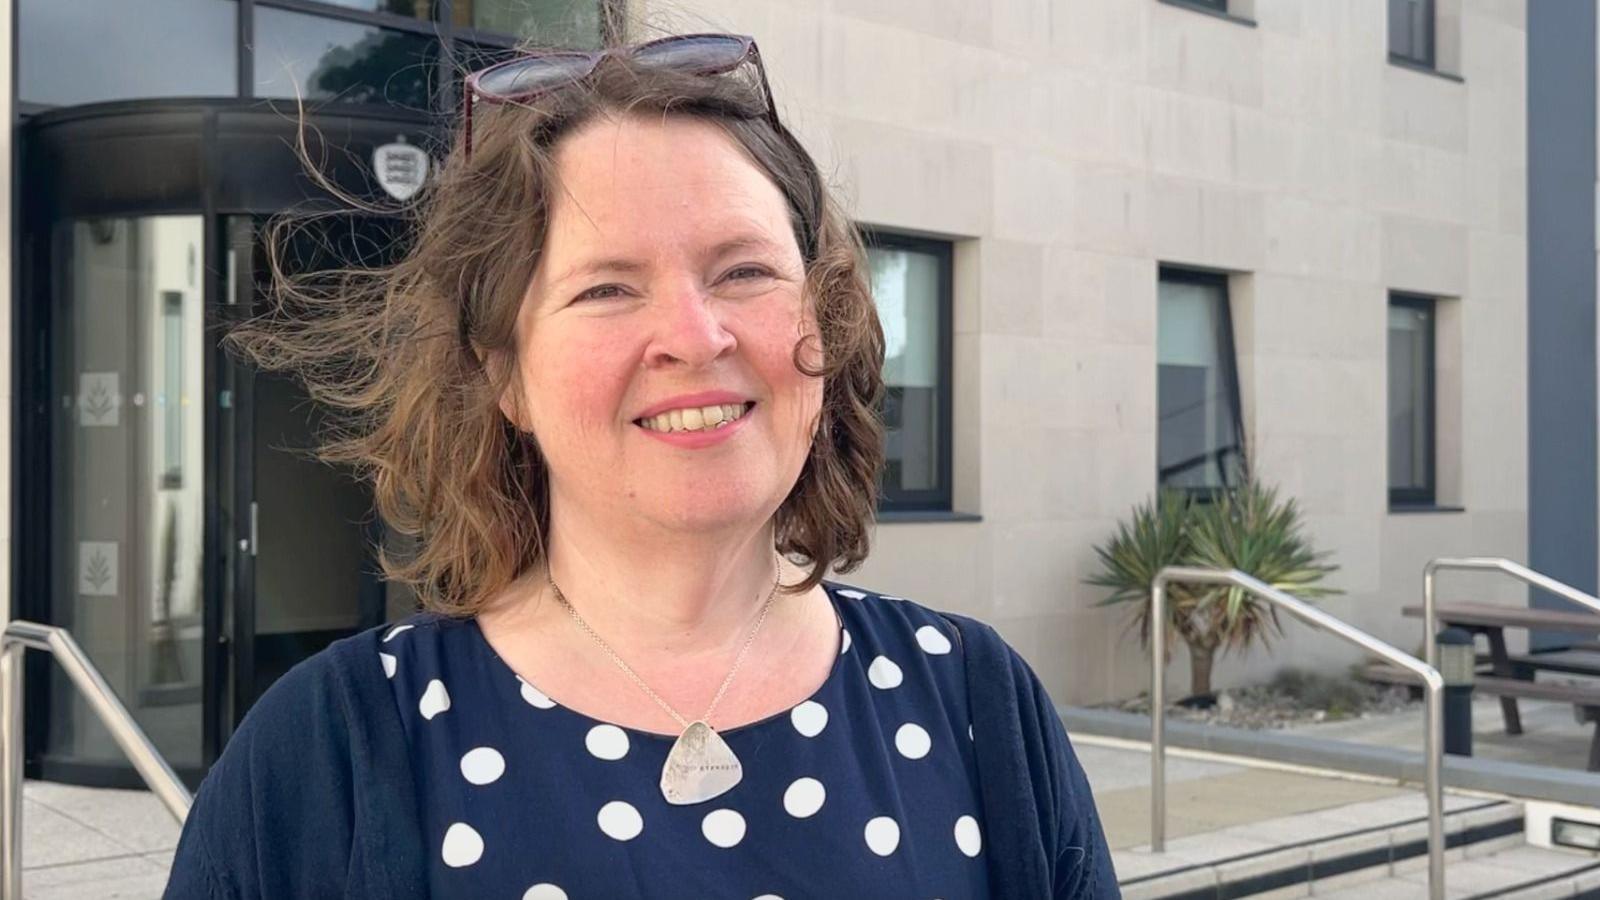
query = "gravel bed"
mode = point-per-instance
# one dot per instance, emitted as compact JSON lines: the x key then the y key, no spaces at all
{"x":1294,"y":698}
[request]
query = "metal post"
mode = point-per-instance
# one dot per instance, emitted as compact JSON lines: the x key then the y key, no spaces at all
{"x":15,"y":640}
{"x":1457,"y":660}
{"x":11,"y":770}
{"x":1158,"y":706}
{"x":1433,"y":687}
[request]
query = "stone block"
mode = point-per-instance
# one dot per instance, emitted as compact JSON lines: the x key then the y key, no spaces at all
{"x":1012,"y":287}
{"x":1424,"y":256}
{"x":903,"y":179}
{"x":1420,"y":108}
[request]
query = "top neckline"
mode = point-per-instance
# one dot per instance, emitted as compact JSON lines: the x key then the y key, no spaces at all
{"x":829,"y":589}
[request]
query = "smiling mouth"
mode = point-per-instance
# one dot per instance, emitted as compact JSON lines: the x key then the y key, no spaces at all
{"x":696,"y":418}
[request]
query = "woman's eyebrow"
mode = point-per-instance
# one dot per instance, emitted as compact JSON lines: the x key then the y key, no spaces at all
{"x":618,"y":264}
{"x":627,"y":266}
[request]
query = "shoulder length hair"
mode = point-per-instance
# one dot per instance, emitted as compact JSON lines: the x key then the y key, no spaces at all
{"x":395,"y":351}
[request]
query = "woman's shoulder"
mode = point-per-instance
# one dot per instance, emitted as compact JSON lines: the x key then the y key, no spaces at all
{"x":932,"y":627}
{"x":322,"y":744}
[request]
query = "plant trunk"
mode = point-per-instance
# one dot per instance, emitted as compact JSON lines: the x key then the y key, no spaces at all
{"x":1200,"y":659}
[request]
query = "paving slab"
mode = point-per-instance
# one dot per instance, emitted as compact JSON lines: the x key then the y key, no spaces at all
{"x":83,"y":843}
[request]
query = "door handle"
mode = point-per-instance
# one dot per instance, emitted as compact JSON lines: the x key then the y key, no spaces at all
{"x":249,"y":544}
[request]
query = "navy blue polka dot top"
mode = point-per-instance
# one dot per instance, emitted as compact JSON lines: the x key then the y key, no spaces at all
{"x":866,"y":789}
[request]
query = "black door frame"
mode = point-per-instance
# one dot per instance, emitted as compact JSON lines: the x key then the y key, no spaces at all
{"x":215,"y":159}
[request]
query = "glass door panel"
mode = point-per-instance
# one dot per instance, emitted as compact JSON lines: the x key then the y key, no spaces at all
{"x":128,"y":497}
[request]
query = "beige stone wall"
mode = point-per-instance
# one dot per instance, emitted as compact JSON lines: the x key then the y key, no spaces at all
{"x":1068,"y":148}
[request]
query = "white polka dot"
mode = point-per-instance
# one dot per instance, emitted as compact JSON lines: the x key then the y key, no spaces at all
{"x":435,"y":699}
{"x":620,"y":821}
{"x":967,"y":836}
{"x":891,"y":597}
{"x":969,"y":733}
{"x":809,"y":718}
{"x":723,"y":827}
{"x":912,"y":741}
{"x":389,"y":663}
{"x":844,"y":642}
{"x":483,"y":765}
{"x":853,"y":595}
{"x":883,"y":835}
{"x":804,"y":797}
{"x":884,"y":674}
{"x":769,"y":897}
{"x":535,"y":697}
{"x":932,"y":640}
{"x":395,"y":631}
{"x":607,"y":742}
{"x":545,"y":891}
{"x":462,"y":846}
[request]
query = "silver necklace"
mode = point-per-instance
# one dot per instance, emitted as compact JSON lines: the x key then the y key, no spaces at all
{"x":700,"y":765}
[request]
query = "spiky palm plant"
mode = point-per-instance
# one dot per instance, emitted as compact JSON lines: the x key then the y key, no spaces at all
{"x":1244,"y":528}
{"x":1154,"y":537}
{"x":1248,"y":529}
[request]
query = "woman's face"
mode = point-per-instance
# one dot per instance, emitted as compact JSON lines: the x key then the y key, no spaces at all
{"x":656,"y":340}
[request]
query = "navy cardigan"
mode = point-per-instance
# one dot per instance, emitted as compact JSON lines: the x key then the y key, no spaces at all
{"x":313,"y":796}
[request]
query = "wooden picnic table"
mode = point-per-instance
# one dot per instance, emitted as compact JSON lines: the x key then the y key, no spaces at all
{"x":1491,"y":621}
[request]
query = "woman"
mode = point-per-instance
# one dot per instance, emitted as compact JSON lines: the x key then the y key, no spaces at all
{"x":622,"y":393}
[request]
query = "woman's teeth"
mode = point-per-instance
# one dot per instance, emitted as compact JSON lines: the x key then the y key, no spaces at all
{"x":702,"y":418}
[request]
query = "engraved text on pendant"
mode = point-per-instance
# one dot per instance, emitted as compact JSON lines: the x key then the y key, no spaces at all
{"x":701,"y":766}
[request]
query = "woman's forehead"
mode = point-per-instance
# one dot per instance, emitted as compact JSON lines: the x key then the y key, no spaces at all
{"x":649,"y":180}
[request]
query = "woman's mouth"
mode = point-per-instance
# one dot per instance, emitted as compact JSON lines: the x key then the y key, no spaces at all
{"x":696,"y":418}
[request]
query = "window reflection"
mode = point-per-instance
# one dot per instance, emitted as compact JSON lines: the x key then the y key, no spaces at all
{"x":556,"y":23}
{"x":1197,"y":443}
{"x":323,"y":59}
{"x":411,"y":9}
{"x":128,"y":499}
{"x":83,"y":51}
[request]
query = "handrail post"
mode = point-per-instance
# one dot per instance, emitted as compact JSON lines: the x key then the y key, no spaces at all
{"x":11,"y":658}
{"x":15,"y":639}
{"x":1158,"y":708}
{"x":1433,"y":686}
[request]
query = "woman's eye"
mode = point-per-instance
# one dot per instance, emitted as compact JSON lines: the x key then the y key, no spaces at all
{"x":601,"y":292}
{"x":746,"y":272}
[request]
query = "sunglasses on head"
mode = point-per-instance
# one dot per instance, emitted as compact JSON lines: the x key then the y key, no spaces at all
{"x":527,"y":78}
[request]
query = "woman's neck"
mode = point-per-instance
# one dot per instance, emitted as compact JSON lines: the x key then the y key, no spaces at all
{"x":680,"y":596}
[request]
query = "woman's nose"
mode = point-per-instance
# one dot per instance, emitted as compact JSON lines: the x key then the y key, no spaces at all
{"x":688,"y":327}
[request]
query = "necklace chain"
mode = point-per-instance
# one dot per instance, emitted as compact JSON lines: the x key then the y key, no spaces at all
{"x":627,"y":670}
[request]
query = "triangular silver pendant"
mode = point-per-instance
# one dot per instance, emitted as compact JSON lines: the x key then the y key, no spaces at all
{"x":700,"y":766}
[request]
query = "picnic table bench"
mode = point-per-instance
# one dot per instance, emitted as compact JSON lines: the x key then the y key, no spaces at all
{"x":1512,"y":677}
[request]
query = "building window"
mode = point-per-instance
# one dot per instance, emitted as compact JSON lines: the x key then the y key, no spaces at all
{"x":1411,"y":400}
{"x":320,"y":58}
{"x":911,"y":286}
{"x":1411,"y":31}
{"x":548,"y":23}
{"x":84,"y":51}
{"x":1199,"y":437}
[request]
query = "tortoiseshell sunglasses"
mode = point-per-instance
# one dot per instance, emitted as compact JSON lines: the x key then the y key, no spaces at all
{"x":526,"y":78}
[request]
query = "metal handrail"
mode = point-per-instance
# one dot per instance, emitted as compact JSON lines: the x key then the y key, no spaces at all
{"x":1430,"y":617}
{"x":17,"y":638}
{"x":1433,"y":686}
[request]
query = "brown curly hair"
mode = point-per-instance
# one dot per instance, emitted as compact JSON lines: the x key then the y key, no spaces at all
{"x":395,"y":350}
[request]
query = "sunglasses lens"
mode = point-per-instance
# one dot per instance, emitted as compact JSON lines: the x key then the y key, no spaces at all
{"x":533,"y":74}
{"x":707,"y":53}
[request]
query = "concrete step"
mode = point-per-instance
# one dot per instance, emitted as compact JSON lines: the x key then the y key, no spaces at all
{"x":1518,"y":872}
{"x":1326,"y":850}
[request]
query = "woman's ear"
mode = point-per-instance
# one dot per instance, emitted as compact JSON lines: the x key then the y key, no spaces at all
{"x":501,"y":369}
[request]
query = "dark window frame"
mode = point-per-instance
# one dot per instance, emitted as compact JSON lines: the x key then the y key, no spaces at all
{"x":1428,"y":494}
{"x":1228,"y":362}
{"x":450,"y":42}
{"x":1428,"y":59}
{"x":1216,"y":8}
{"x":939,"y":499}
